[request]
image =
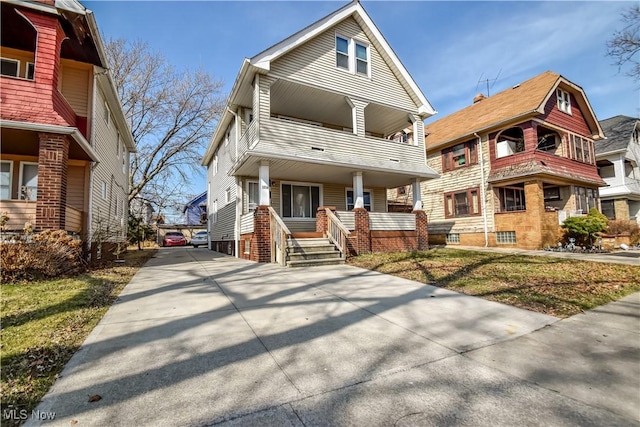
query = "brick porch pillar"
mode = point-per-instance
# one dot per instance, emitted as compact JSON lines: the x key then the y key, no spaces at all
{"x":53,"y":162}
{"x":261,"y":241}
{"x":321,"y":218}
{"x":422,"y":230}
{"x":363,"y":231}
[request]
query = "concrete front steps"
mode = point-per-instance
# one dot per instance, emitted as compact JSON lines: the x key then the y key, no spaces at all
{"x":306,"y":252}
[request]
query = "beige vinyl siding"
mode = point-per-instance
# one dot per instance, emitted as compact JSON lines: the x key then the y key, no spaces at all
{"x":458,"y":180}
{"x":75,"y":84}
{"x":224,"y":227}
{"x":109,"y":170}
{"x":315,"y":63}
{"x":21,"y":55}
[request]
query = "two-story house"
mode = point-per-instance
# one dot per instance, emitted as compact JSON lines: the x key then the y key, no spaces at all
{"x":314,"y":122}
{"x":513,"y":166}
{"x":618,"y":160}
{"x":65,"y":141}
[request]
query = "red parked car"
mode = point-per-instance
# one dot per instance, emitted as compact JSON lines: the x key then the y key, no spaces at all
{"x":174,"y":238}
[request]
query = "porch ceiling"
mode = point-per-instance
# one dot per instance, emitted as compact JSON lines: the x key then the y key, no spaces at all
{"x":309,"y":171}
{"x":26,"y":143}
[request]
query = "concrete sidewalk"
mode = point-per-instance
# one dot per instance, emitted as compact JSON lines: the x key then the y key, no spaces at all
{"x":200,"y":339}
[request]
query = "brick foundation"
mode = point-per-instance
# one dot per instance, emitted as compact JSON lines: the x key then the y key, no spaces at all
{"x":52,"y":181}
{"x":244,"y":238}
{"x":393,"y":241}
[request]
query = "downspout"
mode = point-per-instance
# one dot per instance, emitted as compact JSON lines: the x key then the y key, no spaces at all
{"x":236,"y":228}
{"x":483,"y":203}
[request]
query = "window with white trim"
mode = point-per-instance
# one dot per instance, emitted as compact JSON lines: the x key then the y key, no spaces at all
{"x":6,"y":177}
{"x":31,"y":71}
{"x":28,"y":181}
{"x":253,"y":195}
{"x":215,"y":164}
{"x":300,"y":201}
{"x":214,"y":214}
{"x":353,"y":55}
{"x":367,"y":197}
{"x":103,"y":190}
{"x":564,"y":101}
{"x":227,"y":195}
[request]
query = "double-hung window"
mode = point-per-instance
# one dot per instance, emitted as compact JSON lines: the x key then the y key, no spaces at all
{"x":462,"y":203}
{"x":564,"y":101}
{"x":300,"y":201}
{"x":352,"y":55}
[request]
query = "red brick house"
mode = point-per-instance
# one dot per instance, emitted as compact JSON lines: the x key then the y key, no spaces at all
{"x":513,"y":166}
{"x":65,"y":140}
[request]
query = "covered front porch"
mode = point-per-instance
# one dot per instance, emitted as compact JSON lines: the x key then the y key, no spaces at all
{"x":45,"y":178}
{"x":316,"y":200}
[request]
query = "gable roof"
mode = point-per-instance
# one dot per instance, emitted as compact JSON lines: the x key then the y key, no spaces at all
{"x":523,"y":100}
{"x":261,"y":63}
{"x":618,"y":131}
{"x":195,"y":202}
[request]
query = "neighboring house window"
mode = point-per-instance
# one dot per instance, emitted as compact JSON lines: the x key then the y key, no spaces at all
{"x":107,"y":113}
{"x":300,"y":201}
{"x":453,"y":238}
{"x":586,"y":199}
{"x":227,"y":196}
{"x":509,"y":142}
{"x":248,"y":116}
{"x":512,"y":199}
{"x":608,"y":209}
{"x":368,"y":205}
{"x":31,"y":70}
{"x":6,"y":174}
{"x":564,"y":101}
{"x":253,"y":195}
{"x":28,"y":181}
{"x":551,"y":194}
{"x":10,"y":67}
{"x":460,"y":155}
{"x":580,"y":149}
{"x":352,"y":55}
{"x":227,"y":136}
{"x":103,"y":189}
{"x":462,"y":204}
{"x":401,"y":191}
{"x":506,"y":237}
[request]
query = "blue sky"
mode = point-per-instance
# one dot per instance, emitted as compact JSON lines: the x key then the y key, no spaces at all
{"x":448,"y":47}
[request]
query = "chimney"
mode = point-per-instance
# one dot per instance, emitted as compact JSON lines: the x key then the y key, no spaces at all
{"x":479,"y":97}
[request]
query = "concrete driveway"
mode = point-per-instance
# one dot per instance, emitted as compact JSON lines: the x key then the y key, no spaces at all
{"x":198,"y":338}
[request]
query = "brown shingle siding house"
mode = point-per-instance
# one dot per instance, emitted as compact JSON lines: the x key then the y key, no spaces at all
{"x":513,"y":166}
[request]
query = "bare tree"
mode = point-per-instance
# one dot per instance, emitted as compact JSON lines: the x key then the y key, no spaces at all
{"x":624,"y":46}
{"x":171,"y":113}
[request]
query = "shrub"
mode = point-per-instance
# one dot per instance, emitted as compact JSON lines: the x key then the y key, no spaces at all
{"x":584,"y":228}
{"x":617,"y":227}
{"x":48,"y":254}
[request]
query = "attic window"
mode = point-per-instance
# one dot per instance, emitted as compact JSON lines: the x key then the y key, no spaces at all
{"x":564,"y":101}
{"x":352,"y":55}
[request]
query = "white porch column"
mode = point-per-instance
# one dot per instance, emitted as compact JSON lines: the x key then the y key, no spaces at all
{"x":358,"y":190}
{"x":263,"y":175}
{"x":417,"y":195}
